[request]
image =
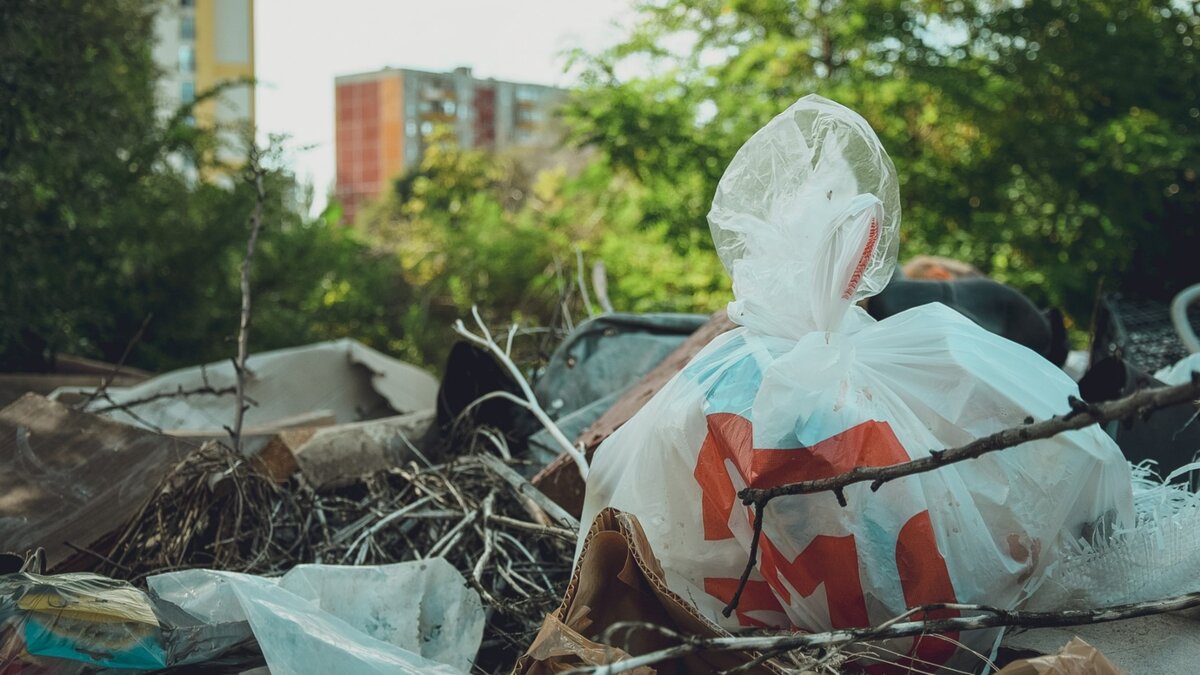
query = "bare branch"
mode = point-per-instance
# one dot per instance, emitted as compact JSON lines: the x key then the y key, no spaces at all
{"x":530,"y":401}
{"x":260,"y":198}
{"x":1141,"y":403}
{"x":1082,"y":415}
{"x":600,"y":285}
{"x":107,"y":381}
{"x":986,"y":617}
{"x":583,"y":289}
{"x":525,"y":488}
{"x":178,"y":392}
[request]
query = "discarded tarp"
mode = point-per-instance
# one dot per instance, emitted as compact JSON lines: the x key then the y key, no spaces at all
{"x":70,"y":478}
{"x":343,"y":378}
{"x":596,"y":364}
{"x":413,"y":617}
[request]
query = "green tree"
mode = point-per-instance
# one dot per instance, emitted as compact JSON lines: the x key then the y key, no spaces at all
{"x":110,"y":213}
{"x":471,"y":228}
{"x":78,"y":136}
{"x":1051,"y":144}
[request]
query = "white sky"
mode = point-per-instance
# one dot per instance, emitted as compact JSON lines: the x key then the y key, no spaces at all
{"x":301,"y":45}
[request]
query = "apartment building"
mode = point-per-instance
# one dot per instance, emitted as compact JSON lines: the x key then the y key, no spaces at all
{"x":201,"y":44}
{"x":384,"y":119}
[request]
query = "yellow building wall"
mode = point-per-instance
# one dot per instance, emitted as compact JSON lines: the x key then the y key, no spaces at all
{"x":210,"y":73}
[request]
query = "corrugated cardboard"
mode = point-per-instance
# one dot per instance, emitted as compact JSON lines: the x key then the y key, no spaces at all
{"x":619,"y":580}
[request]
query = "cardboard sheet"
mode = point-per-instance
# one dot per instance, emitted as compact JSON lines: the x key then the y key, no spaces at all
{"x":619,"y":580}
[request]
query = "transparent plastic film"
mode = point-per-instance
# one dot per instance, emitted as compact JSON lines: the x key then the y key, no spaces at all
{"x":810,"y":203}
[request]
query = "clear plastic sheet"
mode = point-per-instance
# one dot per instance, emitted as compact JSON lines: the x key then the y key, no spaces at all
{"x":72,"y":623}
{"x":413,"y":617}
{"x":806,"y":219}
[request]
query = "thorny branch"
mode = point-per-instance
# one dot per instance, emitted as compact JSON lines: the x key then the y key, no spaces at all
{"x":178,"y":392}
{"x":116,"y":370}
{"x":239,"y":366}
{"x":986,"y":617}
{"x":1141,"y":403}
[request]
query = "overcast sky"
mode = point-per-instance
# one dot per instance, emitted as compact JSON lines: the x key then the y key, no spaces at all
{"x":301,"y":45}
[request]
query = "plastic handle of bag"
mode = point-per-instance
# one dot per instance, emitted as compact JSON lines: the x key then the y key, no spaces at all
{"x":852,"y":241}
{"x":1179,"y":317}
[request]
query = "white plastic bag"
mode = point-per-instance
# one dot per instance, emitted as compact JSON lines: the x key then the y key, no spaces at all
{"x":806,"y":219}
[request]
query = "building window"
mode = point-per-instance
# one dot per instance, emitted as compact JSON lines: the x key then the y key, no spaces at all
{"x":187,"y":93}
{"x":426,"y":128}
{"x":187,"y":59}
{"x":411,"y":128}
{"x":187,"y":28}
{"x":187,"y":3}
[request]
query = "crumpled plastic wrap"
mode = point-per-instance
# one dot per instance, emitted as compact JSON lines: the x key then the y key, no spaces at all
{"x":70,"y":623}
{"x":412,"y":617}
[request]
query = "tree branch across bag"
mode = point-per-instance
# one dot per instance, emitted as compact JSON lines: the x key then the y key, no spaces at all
{"x":806,"y":220}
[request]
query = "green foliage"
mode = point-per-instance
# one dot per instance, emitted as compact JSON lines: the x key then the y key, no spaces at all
{"x":104,"y":219}
{"x":74,"y":146}
{"x":470,"y":228}
{"x":1050,"y":144}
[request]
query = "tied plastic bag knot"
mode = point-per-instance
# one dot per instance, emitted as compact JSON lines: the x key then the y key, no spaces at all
{"x":806,"y":220}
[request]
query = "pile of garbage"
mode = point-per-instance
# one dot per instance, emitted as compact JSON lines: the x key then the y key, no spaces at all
{"x":621,"y":503}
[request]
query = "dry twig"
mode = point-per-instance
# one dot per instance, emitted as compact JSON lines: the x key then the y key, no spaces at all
{"x":986,"y":617}
{"x":116,"y":369}
{"x":529,"y":402}
{"x":214,"y":510}
{"x":239,"y":365}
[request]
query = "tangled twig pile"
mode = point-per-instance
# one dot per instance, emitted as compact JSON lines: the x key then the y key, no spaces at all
{"x":217,"y":510}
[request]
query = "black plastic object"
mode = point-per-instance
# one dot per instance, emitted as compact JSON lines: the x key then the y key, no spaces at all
{"x":1170,"y":437}
{"x":1001,"y":309}
{"x":1139,"y":332}
{"x":470,"y":373}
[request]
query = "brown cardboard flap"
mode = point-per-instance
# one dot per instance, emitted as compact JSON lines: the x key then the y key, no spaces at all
{"x":619,"y":580}
{"x":1076,"y":658}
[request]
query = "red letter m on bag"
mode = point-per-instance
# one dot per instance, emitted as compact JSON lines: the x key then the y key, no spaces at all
{"x":828,"y":560}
